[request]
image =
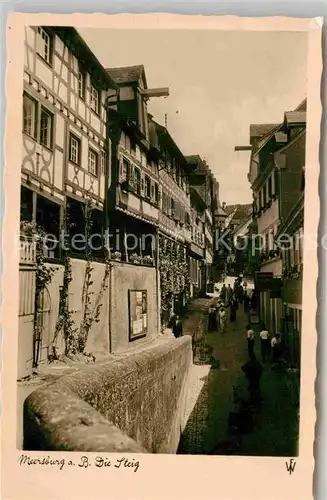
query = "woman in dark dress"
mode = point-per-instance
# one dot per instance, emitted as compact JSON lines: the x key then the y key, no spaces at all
{"x":212,"y":326}
{"x":233,"y":310}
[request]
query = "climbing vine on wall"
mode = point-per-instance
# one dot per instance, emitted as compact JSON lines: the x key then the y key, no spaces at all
{"x":65,"y":321}
{"x":76,"y":335}
{"x":91,"y":313}
{"x":36,"y":236}
{"x":174,"y":273}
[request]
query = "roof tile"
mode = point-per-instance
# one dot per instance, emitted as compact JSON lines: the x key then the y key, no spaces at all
{"x":126,"y":74}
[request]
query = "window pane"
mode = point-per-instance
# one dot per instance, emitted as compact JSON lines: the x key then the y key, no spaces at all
{"x":28,"y":116}
{"x":43,"y":44}
{"x":94,"y":99}
{"x":93,"y":162}
{"x":81,"y":84}
{"x":125,"y":172}
{"x":138,"y":180}
{"x":74,"y":149}
{"x":45,"y":128}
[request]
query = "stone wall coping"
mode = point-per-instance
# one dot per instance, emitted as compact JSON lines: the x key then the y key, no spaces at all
{"x":60,"y":418}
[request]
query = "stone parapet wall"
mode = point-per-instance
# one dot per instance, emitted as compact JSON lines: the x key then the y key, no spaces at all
{"x":134,"y":404}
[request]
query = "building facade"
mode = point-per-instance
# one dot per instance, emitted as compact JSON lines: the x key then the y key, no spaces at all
{"x":276,"y":165}
{"x":65,"y":164}
{"x":65,"y":151}
{"x":99,"y":173}
{"x":205,"y":189}
{"x":292,"y":259}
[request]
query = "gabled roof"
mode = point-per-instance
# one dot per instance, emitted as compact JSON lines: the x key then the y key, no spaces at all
{"x":295,"y":118}
{"x":74,"y":41}
{"x":229,"y":209}
{"x":166,"y":142}
{"x":221,"y":211}
{"x":193,"y":159}
{"x":260,"y":130}
{"x":302,"y":106}
{"x":126,"y":74}
{"x":242,"y":212}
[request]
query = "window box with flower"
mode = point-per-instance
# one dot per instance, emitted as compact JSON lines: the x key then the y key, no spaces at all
{"x":147,"y":260}
{"x":116,"y":256}
{"x":134,"y":258}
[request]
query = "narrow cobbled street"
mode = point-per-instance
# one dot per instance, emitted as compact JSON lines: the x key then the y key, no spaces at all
{"x":218,"y":359}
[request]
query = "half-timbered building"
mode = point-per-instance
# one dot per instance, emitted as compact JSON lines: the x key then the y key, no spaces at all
{"x":134,"y":191}
{"x":65,"y":147}
{"x":65,"y":164}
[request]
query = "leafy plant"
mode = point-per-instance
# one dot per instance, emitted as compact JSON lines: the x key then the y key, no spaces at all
{"x":148,"y":260}
{"x":76,"y":336}
{"x":174,"y":273}
{"x":135,"y":258}
{"x":116,"y":256}
{"x":43,"y":277}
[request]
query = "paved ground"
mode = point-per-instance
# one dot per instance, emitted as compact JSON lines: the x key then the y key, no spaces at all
{"x":210,"y":395}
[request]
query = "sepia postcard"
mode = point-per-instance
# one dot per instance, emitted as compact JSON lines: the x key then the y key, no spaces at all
{"x":160,"y":245}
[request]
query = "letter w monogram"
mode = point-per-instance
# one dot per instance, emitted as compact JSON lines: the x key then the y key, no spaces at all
{"x":290,"y":466}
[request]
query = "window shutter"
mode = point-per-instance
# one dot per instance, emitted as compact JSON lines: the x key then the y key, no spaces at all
{"x":152,"y":191}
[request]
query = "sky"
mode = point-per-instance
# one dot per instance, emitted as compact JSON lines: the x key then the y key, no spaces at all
{"x":219,"y":82}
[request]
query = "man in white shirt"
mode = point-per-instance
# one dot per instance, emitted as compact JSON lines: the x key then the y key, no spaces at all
{"x":264,"y":337}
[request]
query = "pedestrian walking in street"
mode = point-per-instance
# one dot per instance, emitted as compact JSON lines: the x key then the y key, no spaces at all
{"x":233,"y":310}
{"x":253,"y":371}
{"x":254,"y":300}
{"x":212,"y":326}
{"x":222,"y":319}
{"x":251,"y":341}
{"x":264,"y":339}
{"x":177,"y":327}
{"x":223,"y":293}
{"x":275,"y":348}
{"x":229,"y":293}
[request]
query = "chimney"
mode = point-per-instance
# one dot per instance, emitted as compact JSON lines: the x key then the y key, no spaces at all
{"x":224,"y":205}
